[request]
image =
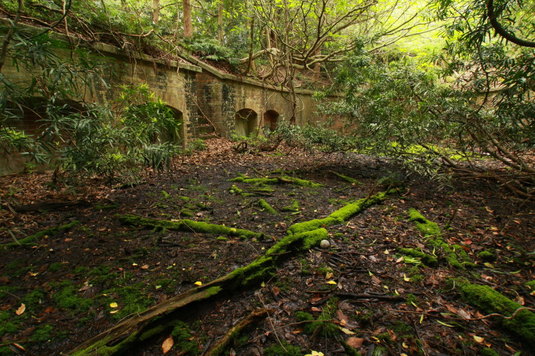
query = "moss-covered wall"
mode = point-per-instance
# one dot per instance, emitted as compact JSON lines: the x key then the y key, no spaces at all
{"x":206,"y":98}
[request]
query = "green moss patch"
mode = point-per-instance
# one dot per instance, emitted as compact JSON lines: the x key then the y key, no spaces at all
{"x":487,"y":256}
{"x":67,"y":297}
{"x":184,"y":340}
{"x":428,"y":260}
{"x":486,"y":299}
{"x":455,"y":255}
{"x":293,"y":207}
{"x":33,"y":239}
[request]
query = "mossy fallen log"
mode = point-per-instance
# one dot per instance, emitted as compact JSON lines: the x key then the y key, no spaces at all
{"x":276,"y":180}
{"x":162,"y":317}
{"x":512,"y":315}
{"x":454,"y":254}
{"x":267,"y":207}
{"x":221,"y":345}
{"x":188,"y":226}
{"x":32,"y":239}
{"x":341,"y":215}
{"x":159,"y":318}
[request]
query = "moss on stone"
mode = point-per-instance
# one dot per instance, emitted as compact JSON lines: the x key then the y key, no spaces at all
{"x":267,"y":207}
{"x":188,"y":226}
{"x":32,"y":239}
{"x":428,"y":260}
{"x":490,"y":301}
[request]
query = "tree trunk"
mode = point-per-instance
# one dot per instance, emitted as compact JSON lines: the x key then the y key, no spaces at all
{"x":188,"y":28}
{"x":220,"y":29}
{"x":155,"y":11}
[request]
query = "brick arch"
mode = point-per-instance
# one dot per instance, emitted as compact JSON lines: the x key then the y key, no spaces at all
{"x":246,"y":122}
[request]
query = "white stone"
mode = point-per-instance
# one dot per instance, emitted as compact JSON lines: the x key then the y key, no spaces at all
{"x":325,"y":244}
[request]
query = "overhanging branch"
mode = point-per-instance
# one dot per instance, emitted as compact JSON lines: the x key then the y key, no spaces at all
{"x":511,"y":37}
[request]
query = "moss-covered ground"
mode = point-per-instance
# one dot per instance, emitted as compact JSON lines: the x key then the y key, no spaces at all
{"x":383,"y":286}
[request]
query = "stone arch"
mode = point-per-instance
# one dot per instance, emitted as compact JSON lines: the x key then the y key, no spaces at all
{"x":246,"y":122}
{"x":29,"y":113}
{"x":179,"y":118}
{"x":271,"y":118}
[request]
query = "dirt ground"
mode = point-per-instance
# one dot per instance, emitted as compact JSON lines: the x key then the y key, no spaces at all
{"x":359,"y":295}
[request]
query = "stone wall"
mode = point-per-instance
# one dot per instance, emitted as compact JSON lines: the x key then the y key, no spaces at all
{"x":208,"y":101}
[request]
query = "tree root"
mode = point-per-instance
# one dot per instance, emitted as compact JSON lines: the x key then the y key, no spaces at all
{"x":159,"y":318}
{"x":30,"y":240}
{"x":221,"y":345}
{"x":276,"y":180}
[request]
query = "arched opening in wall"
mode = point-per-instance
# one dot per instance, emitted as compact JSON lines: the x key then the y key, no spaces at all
{"x":271,"y":118}
{"x":34,"y":114}
{"x":161,"y":122}
{"x":37,"y":118}
{"x":246,"y":122}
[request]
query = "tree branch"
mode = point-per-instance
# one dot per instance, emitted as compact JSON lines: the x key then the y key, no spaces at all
{"x":493,"y":18}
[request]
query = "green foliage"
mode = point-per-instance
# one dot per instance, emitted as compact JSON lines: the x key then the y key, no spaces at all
{"x":318,"y":137}
{"x":184,"y":339}
{"x":283,"y":349}
{"x":67,"y":297}
{"x":210,"y":48}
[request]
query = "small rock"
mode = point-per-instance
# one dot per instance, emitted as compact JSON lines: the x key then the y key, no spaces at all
{"x":325,"y":244}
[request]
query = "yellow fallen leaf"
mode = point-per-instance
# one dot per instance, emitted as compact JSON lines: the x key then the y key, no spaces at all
{"x":114,"y":311}
{"x":198,"y":283}
{"x":331,"y":282}
{"x":405,"y":278}
{"x":145,"y":267}
{"x":21,"y":309}
{"x":346,"y":331}
{"x":114,"y":305}
{"x":478,"y":339}
{"x":167,"y":344}
{"x":329,"y":275}
{"x":315,"y":353}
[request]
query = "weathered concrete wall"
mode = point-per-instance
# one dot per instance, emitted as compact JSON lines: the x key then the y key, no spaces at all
{"x":207,"y":100}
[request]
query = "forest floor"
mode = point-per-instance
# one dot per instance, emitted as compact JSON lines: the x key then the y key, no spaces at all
{"x":360,"y":295}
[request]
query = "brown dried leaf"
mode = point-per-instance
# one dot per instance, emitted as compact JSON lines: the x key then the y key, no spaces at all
{"x":355,"y":342}
{"x":21,"y":309}
{"x":167,"y":344}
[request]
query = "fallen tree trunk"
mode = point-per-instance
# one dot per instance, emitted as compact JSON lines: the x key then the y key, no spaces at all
{"x":159,"y":318}
{"x":188,"y":226}
{"x":220,"y":347}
